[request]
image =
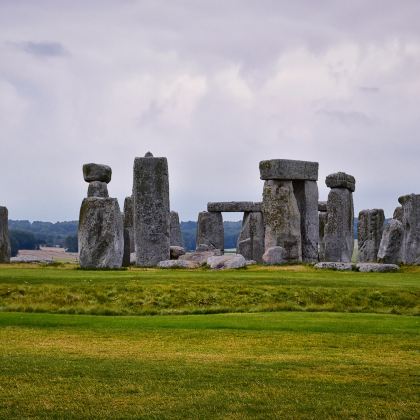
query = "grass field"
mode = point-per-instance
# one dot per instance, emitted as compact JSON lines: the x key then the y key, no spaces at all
{"x":267,"y":365}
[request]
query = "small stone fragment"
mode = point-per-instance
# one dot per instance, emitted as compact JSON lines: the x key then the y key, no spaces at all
{"x":339,"y":266}
{"x":97,"y":172}
{"x":275,"y":255}
{"x":176,"y":252}
{"x":98,"y":189}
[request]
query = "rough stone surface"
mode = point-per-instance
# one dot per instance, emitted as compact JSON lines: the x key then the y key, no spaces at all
{"x":411,"y":225}
{"x":175,"y":232}
{"x":390,"y":246}
{"x":151,"y":210}
{"x":339,"y":266}
{"x":101,"y":236}
{"x":97,"y":172}
{"x":210,"y":230}
{"x":199,"y":257}
{"x":370,"y":228}
{"x":234,"y":206}
{"x":98,"y":189}
{"x":251,"y":239}
{"x":322,"y":217}
{"x":341,"y":180}
{"x":176,"y":252}
{"x":376,"y":268}
{"x":127,"y":248}
{"x":275,"y":255}
{"x":250,"y":262}
{"x":339,"y":234}
{"x":398,"y":214}
{"x":4,"y":236}
{"x":306,"y":193}
{"x":322,"y":206}
{"x":228,"y":261}
{"x":178,"y":264}
{"x":288,"y":170}
{"x":128,"y":221}
{"x":282,"y":219}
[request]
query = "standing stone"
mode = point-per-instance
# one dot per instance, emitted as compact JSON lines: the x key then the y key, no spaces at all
{"x":390,"y":246}
{"x":370,"y":228}
{"x":98,"y":189}
{"x":282,"y":219}
{"x":398,"y":214}
{"x":210,"y":230}
{"x":175,"y":235}
{"x":97,"y":172}
{"x":4,"y":236}
{"x":322,"y":216}
{"x":101,"y":242}
{"x":128,"y":220}
{"x":339,"y":230}
{"x":251,"y":239}
{"x":306,"y":193}
{"x":411,"y":224}
{"x":127,"y":249}
{"x":151,"y":210}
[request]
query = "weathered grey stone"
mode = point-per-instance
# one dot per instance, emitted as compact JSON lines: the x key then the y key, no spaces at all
{"x":175,"y":232}
{"x":339,"y":235}
{"x":288,"y":170}
{"x":101,"y":237}
{"x":322,"y":206}
{"x":250,"y":262}
{"x":151,"y":210}
{"x":199,"y":257}
{"x":128,"y":222}
{"x":339,"y":266}
{"x":98,"y":189}
{"x":97,"y":172}
{"x":411,"y":225}
{"x":4,"y":236}
{"x":178,"y":264}
{"x":234,"y":206}
{"x":127,"y":248}
{"x":306,"y":193}
{"x":322,"y":217}
{"x":251,"y":239}
{"x":210,"y":230}
{"x":376,"y":268}
{"x":282,"y":219}
{"x":275,"y":255}
{"x":370,"y":228}
{"x":341,"y":180}
{"x":205,"y":247}
{"x":176,"y":252}
{"x":228,"y":261}
{"x":391,"y":242}
{"x":398,"y":214}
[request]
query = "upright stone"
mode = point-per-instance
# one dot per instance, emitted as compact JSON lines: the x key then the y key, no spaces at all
{"x":322,"y":217}
{"x":98,"y":189}
{"x":398,"y":214}
{"x":4,"y":236}
{"x":175,"y":235}
{"x":370,"y":228}
{"x":128,"y":221}
{"x":390,"y":246}
{"x":251,"y":239}
{"x":210,"y":230}
{"x":151,"y":210}
{"x":411,"y":224}
{"x":101,"y":242}
{"x":339,"y":230}
{"x":127,"y":248}
{"x":282,"y":219}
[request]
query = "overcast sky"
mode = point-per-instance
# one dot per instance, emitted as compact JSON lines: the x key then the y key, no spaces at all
{"x":215,"y":86}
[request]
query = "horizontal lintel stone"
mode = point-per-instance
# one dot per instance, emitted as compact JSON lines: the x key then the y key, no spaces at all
{"x":234,"y":206}
{"x":288,"y":170}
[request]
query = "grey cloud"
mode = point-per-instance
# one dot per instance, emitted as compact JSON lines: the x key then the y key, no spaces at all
{"x":43,"y":49}
{"x":347,"y":117}
{"x":369,"y":89}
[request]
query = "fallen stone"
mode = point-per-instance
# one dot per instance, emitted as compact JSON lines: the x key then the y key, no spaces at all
{"x":275,"y":255}
{"x":250,"y":262}
{"x":234,"y":206}
{"x":322,"y":206}
{"x":398,"y":214}
{"x":339,"y":266}
{"x":178,"y":264}
{"x":390,"y":246}
{"x":411,"y":224}
{"x":228,"y":261}
{"x":175,"y":230}
{"x":210,"y":230}
{"x":96,"y":172}
{"x":376,"y":268}
{"x":4,"y":236}
{"x":176,"y":252}
{"x":341,"y":180}
{"x":251,"y":238}
{"x":101,"y":236}
{"x":369,"y":229}
{"x":98,"y":189}
{"x":199,"y":257}
{"x":288,"y":170}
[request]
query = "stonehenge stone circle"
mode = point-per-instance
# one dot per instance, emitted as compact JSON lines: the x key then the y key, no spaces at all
{"x":4,"y":236}
{"x":251,"y":238}
{"x":151,"y":210}
{"x":98,"y":189}
{"x":287,"y":170}
{"x":97,"y":172}
{"x":234,"y":206}
{"x":175,"y":230}
{"x":339,"y":230}
{"x":370,"y":228}
{"x":391,"y":242}
{"x":210,"y":230}
{"x":411,"y":224}
{"x":101,"y":241}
